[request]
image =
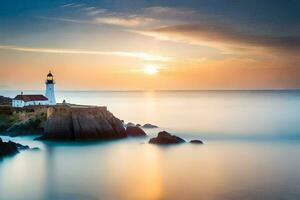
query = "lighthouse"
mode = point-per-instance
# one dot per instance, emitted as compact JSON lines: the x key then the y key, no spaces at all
{"x":50,"y":89}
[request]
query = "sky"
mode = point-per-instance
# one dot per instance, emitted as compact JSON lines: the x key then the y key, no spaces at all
{"x":150,"y":45}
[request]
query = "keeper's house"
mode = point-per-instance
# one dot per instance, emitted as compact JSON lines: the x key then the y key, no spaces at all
{"x":29,"y":100}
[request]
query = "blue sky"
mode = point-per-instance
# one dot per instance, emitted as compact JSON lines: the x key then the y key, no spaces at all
{"x":274,"y":17}
{"x":178,"y":37}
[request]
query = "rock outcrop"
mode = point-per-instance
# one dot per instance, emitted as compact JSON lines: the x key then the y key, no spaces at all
{"x":9,"y":148}
{"x":166,"y":138}
{"x":20,"y":121}
{"x":7,"y":117}
{"x":71,"y":122}
{"x":196,"y":142}
{"x":33,"y":125}
{"x":135,"y":131}
{"x":5,"y":100}
{"x":149,"y":126}
{"x":66,"y":122}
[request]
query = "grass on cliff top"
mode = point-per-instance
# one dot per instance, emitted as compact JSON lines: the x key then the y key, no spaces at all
{"x":8,"y":118}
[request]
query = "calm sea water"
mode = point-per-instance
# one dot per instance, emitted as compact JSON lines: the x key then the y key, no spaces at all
{"x":251,"y":151}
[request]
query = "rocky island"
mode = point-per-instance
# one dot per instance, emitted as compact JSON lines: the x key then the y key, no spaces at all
{"x":164,"y":137}
{"x":74,"y":122}
{"x":64,"y":122}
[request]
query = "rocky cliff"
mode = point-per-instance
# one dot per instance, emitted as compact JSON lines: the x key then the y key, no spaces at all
{"x":63,"y":122}
{"x":69,"y":122}
{"x":21,"y":121}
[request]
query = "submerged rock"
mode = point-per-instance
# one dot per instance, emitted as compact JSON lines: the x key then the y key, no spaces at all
{"x":20,"y":146}
{"x":196,"y":142}
{"x":35,"y":149}
{"x":166,"y":138}
{"x":70,"y":122}
{"x":9,"y":148}
{"x":149,"y":126}
{"x":135,"y":131}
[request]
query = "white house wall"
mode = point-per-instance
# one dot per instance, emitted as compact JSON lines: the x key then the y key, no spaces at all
{"x":21,"y":103}
{"x":35,"y":103}
{"x":18,"y":103}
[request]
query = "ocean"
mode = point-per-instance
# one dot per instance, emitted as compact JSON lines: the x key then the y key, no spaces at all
{"x":251,"y":150}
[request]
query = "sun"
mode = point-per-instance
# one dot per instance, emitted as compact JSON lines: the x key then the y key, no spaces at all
{"x":151,"y":69}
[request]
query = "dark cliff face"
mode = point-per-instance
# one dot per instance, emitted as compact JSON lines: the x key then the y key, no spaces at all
{"x":82,"y":122}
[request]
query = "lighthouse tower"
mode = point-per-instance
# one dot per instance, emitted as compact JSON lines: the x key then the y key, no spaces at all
{"x":50,"y":89}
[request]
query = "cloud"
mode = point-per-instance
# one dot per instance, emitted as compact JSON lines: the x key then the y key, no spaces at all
{"x":131,"y":20}
{"x":138,"y":55}
{"x":73,"y":5}
{"x":103,"y":16}
{"x":95,"y":15}
{"x":127,"y":21}
{"x":66,"y":20}
{"x":91,"y":8}
{"x":96,"y":12}
{"x":186,"y":25}
{"x":68,"y":5}
{"x":216,"y":34}
{"x":170,"y":12}
{"x":144,"y":17}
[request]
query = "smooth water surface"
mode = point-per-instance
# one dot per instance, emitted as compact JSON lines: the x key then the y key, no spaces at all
{"x":251,"y":151}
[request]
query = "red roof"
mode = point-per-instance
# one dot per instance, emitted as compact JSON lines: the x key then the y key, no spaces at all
{"x":31,"y":97}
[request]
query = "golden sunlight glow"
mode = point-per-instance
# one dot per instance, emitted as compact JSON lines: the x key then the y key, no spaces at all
{"x":151,"y":69}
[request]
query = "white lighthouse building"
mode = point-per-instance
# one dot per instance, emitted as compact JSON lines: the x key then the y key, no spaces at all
{"x":23,"y":100}
{"x":50,"y":89}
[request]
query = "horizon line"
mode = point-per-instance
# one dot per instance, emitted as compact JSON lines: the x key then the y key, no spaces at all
{"x":167,"y":90}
